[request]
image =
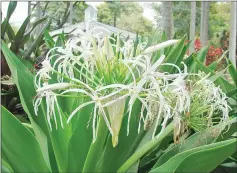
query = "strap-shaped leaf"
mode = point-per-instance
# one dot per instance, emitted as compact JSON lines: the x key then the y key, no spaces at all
{"x":203,"y":159}
{"x":114,"y":157}
{"x":196,"y":140}
{"x":23,"y":154}
{"x":11,"y":8}
{"x":174,"y":56}
{"x":19,"y":35}
{"x":37,"y":41}
{"x":55,"y":142}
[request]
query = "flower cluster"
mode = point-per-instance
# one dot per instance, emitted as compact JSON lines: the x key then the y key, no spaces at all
{"x":213,"y":54}
{"x":197,"y":45}
{"x":112,"y":75}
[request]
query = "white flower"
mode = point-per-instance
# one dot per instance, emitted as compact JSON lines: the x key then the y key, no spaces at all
{"x":51,"y":104}
{"x":54,"y":87}
{"x":109,"y":76}
{"x":43,"y":73}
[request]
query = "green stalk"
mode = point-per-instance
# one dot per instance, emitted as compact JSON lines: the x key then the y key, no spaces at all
{"x":145,"y":148}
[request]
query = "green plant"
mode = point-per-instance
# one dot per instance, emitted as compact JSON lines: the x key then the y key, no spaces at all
{"x":71,"y":135}
{"x":20,"y":43}
{"x":19,"y":40}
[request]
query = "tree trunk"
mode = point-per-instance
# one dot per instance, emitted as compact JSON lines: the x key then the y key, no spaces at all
{"x":168,"y":18}
{"x":206,"y":23}
{"x":115,"y":18}
{"x":38,"y":16}
{"x":232,"y":42}
{"x":202,"y":17}
{"x":28,"y":12}
{"x":71,"y":13}
{"x":192,"y":26}
{"x":29,"y":8}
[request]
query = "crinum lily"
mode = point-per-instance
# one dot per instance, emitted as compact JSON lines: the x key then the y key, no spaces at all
{"x":112,"y":77}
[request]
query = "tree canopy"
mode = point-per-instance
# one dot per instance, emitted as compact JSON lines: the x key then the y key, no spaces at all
{"x":125,"y":15}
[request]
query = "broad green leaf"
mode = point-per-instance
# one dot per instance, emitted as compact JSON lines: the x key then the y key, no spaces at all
{"x":232,"y":93}
{"x":49,"y":141}
{"x":114,"y":157}
{"x":24,"y":82}
{"x":197,"y":158}
{"x":29,"y":127}
{"x":232,"y":72}
{"x":48,"y":40}
{"x":200,"y":56}
{"x":5,"y":167}
{"x":96,"y":148}
{"x":60,"y":138}
{"x":224,"y":84}
{"x":229,"y":130}
{"x":81,"y":140}
{"x":21,"y":154}
{"x":165,"y":38}
{"x":148,"y":146}
{"x":23,"y":78}
{"x":174,"y":56}
{"x":196,"y":140}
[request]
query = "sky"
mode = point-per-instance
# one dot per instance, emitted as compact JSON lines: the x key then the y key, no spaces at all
{"x":21,"y":11}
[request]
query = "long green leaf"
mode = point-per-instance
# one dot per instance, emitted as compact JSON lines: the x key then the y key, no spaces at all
{"x":200,"y":56}
{"x":96,"y":149}
{"x":35,"y":24}
{"x":5,"y":167}
{"x":11,"y":8}
{"x":114,"y":157}
{"x":19,"y":35}
{"x":48,"y":40}
{"x":36,"y":41}
{"x":224,"y":84}
{"x":23,"y":155}
{"x":197,"y":159}
{"x":174,"y":56}
{"x":198,"y":139}
{"x":145,"y":148}
{"x":24,"y":82}
{"x":232,"y":72}
{"x":81,"y":139}
{"x":10,"y":32}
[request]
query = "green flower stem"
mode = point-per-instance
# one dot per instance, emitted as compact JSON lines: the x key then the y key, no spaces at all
{"x":145,"y":148}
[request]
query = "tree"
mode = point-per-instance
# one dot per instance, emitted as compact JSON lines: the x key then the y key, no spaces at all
{"x":181,"y":17}
{"x":29,"y":8}
{"x":116,"y":9}
{"x":167,"y":16}
{"x":158,"y":17}
{"x":192,"y":25}
{"x":62,"y":12}
{"x":232,"y":45}
{"x":104,"y":14}
{"x":130,"y":17}
{"x":204,"y":22}
{"x":218,"y":20}
{"x":71,"y":13}
{"x":136,"y":23}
